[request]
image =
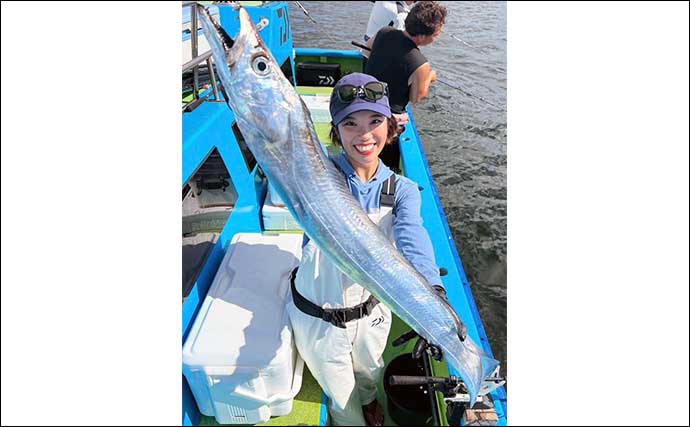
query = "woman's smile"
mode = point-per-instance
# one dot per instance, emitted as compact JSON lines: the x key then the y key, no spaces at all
{"x":365,"y":149}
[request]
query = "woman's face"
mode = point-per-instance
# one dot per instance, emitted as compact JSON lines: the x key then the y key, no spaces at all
{"x":363,"y":135}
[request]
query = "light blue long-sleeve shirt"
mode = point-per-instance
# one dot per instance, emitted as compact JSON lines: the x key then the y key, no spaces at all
{"x":410,"y":235}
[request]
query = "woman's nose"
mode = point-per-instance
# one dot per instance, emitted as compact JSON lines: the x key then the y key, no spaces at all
{"x":365,"y":134}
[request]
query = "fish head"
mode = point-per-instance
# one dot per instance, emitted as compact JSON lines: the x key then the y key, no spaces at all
{"x":255,"y":87}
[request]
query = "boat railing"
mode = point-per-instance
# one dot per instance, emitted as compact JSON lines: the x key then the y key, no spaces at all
{"x":196,"y":61}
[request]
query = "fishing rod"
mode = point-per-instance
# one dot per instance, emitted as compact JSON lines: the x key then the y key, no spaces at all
{"x":306,"y":12}
{"x":361,"y":46}
{"x":460,"y":40}
{"x":467,"y":93}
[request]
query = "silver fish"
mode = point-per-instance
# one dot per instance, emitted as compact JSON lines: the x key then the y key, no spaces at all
{"x":278,"y":130}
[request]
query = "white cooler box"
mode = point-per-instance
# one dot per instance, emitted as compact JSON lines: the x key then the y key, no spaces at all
{"x":239,"y":358}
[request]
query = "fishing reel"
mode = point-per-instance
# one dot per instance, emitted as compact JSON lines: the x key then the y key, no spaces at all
{"x":456,"y":395}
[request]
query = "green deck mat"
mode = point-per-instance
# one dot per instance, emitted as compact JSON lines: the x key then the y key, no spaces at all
{"x":317,"y":99}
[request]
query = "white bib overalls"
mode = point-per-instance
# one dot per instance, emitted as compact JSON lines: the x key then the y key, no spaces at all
{"x":347,"y":363}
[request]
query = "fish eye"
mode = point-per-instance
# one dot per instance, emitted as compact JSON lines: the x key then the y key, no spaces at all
{"x":260,"y":65}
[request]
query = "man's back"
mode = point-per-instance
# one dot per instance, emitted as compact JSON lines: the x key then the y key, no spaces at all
{"x":394,"y":57}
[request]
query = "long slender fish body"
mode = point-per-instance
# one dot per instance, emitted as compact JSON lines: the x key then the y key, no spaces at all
{"x":278,"y":130}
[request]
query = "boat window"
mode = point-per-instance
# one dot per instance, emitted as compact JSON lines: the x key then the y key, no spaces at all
{"x":249,"y":159}
{"x":208,"y":198}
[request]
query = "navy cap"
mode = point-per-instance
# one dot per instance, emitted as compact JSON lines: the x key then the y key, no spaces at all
{"x":340,"y":110}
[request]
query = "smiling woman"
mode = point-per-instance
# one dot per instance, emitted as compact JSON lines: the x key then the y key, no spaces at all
{"x":363,"y":134}
{"x":375,"y":249}
{"x":346,"y":357}
{"x":362,"y":121}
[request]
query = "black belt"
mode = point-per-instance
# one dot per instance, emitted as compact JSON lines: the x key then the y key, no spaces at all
{"x":336,"y":316}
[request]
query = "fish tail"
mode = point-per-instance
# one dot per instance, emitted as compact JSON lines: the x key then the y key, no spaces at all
{"x":472,"y":364}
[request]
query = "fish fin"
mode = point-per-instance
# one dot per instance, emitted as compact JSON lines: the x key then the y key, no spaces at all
{"x":472,"y":364}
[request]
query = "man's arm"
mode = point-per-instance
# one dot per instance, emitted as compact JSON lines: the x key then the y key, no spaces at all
{"x":419,"y":82}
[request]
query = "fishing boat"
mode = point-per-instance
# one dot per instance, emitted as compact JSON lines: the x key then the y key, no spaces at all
{"x":240,"y":243}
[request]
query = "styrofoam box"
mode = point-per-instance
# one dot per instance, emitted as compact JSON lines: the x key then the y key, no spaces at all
{"x":273,"y":197}
{"x":239,"y":357}
{"x":275,"y":215}
{"x":278,"y":219}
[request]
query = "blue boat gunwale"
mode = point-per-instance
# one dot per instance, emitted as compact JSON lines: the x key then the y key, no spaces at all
{"x":498,"y":395}
{"x":245,"y":217}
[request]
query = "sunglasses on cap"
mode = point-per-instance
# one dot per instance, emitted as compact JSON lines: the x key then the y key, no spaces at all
{"x":372,"y":91}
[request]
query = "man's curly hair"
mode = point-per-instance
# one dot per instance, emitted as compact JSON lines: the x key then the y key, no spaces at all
{"x":425,"y":18}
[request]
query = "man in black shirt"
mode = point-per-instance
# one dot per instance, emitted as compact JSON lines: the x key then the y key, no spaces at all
{"x":395,"y":59}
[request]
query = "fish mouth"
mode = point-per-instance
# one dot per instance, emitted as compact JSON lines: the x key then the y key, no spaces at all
{"x":225,"y":47}
{"x":226,"y":41}
{"x":248,"y":34}
{"x":219,"y":36}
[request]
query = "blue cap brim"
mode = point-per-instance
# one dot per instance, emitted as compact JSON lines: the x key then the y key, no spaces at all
{"x":361,"y":105}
